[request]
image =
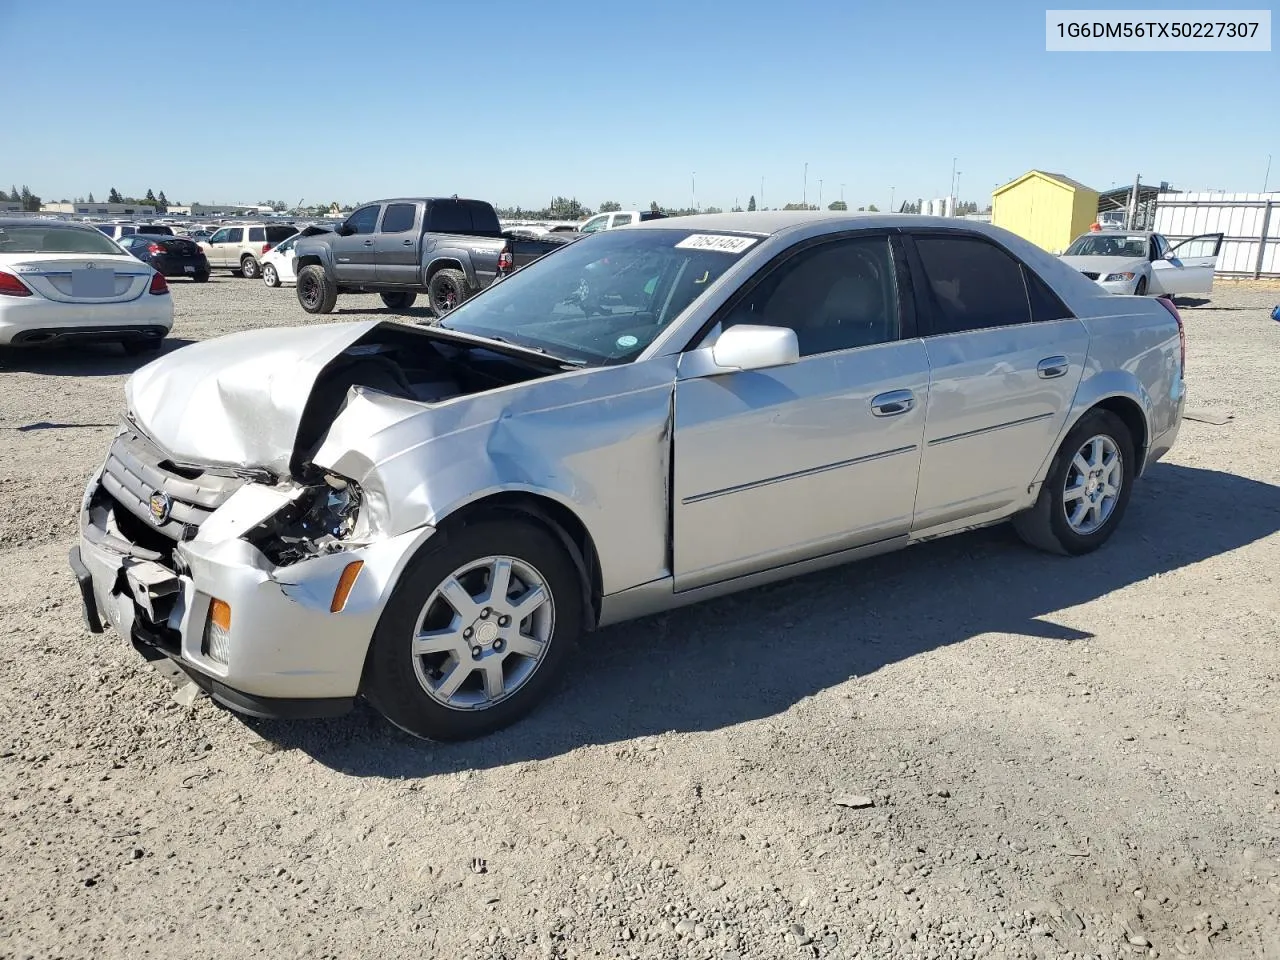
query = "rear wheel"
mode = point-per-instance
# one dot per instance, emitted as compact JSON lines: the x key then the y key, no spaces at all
{"x":1087,"y":489}
{"x":316,"y":292}
{"x":398,"y":300}
{"x":446,"y":289}
{"x":269,"y":275}
{"x":250,"y":268}
{"x":201,"y":277}
{"x":476,"y":631}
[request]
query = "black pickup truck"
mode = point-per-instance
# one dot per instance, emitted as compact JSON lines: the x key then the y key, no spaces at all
{"x":445,"y":247}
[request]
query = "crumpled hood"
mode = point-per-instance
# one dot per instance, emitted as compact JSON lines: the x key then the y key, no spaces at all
{"x":1105,"y":265}
{"x":236,"y":400}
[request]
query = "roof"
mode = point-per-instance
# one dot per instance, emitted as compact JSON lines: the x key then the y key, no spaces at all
{"x":1056,"y":177}
{"x":767,"y":222}
{"x":42,"y":222}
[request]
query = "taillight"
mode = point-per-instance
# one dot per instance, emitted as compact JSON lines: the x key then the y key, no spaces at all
{"x":1168,"y":304}
{"x":158,"y":284}
{"x":266,"y":247}
{"x":11,"y":286}
{"x":504,"y":260}
{"x":154,"y":248}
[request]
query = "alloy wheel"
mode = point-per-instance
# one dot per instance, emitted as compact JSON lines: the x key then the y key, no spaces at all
{"x":1093,"y":483}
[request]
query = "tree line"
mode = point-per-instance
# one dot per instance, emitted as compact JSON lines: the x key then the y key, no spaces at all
{"x":30,"y":202}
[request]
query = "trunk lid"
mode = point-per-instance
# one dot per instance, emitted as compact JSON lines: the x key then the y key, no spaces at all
{"x":82,"y":278}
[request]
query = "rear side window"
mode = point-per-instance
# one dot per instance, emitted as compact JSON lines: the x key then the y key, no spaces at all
{"x":449,"y":216}
{"x":234,"y":235}
{"x":257,"y":234}
{"x":106,"y":228}
{"x":398,"y":218}
{"x":975,"y":284}
{"x":278,"y":234}
{"x":1045,"y":304}
{"x":483,"y":217}
{"x":623,"y":219}
{"x":127,"y":231}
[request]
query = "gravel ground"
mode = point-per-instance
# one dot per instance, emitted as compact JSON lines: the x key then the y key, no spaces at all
{"x":967,"y":749}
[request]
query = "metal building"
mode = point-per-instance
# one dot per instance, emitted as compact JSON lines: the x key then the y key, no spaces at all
{"x":1048,"y":209}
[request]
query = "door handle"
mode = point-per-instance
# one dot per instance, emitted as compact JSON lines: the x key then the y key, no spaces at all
{"x":407,"y":243}
{"x":368,"y":243}
{"x":1051,"y":367}
{"x":893,"y":403}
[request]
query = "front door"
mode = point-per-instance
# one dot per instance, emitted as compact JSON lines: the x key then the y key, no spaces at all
{"x":1005,"y":358}
{"x":780,"y":465}
{"x":224,"y":246}
{"x":1187,"y":267}
{"x":396,"y":245}
{"x":354,"y":253}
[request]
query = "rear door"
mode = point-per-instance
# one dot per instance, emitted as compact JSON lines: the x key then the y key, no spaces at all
{"x":1186,"y":267}
{"x":395,"y":244}
{"x":1005,"y":358}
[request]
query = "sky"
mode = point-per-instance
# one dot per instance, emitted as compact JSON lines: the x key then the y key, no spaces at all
{"x":516,"y":101}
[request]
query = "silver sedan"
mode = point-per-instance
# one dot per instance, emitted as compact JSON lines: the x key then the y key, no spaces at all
{"x":432,"y":516}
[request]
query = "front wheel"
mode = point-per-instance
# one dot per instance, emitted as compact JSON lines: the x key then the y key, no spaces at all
{"x":476,"y":631}
{"x":1087,"y":489}
{"x":269,"y":275}
{"x":1141,"y":289}
{"x":446,"y":289}
{"x":316,"y":292}
{"x":398,"y":300}
{"x":250,"y":268}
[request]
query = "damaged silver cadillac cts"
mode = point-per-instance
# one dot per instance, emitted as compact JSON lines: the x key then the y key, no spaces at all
{"x":430,"y":517}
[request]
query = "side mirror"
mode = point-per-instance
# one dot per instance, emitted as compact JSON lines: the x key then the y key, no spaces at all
{"x":343,"y":230}
{"x":751,"y":347}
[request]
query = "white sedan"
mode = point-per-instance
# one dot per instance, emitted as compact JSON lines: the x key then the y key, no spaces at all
{"x":1137,"y":262}
{"x":62,"y":282}
{"x":277,"y":263}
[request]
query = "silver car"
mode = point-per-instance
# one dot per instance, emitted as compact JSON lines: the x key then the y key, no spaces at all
{"x":431,"y":517}
{"x":1141,"y":263}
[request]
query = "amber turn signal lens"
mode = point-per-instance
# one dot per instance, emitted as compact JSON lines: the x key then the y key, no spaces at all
{"x":345,"y":583}
{"x":220,"y":613}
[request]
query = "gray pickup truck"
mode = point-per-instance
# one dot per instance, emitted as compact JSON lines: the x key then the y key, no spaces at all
{"x":444,"y":247}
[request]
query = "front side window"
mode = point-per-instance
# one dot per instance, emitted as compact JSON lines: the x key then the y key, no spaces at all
{"x":364,"y":220}
{"x":975,"y":284}
{"x":399,"y":217}
{"x":602,"y":299}
{"x":838,"y":295}
{"x":220,"y":236}
{"x":595,"y":224}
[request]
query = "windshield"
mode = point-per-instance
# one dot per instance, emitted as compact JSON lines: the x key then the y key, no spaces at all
{"x":1102,"y":245}
{"x":604,"y":298}
{"x":49,"y":239}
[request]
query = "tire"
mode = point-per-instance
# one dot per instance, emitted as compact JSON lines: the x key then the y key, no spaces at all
{"x":269,"y":275}
{"x":142,"y":347}
{"x":1047,"y":525}
{"x":316,"y":292}
{"x":1141,"y":289}
{"x":398,"y":300}
{"x":201,"y":277}
{"x":250,"y":268}
{"x":397,"y":681}
{"x":446,"y":289}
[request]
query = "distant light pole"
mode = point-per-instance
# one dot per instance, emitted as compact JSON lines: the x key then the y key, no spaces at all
{"x":693,"y":182}
{"x":819,"y":193}
{"x":761,"y":203}
{"x":1266,"y":176}
{"x":842,"y":193}
{"x":891,"y":192}
{"x":804,"y":193}
{"x":953,"y":175}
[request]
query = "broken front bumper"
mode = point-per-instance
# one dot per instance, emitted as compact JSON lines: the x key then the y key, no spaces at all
{"x":285,"y":653}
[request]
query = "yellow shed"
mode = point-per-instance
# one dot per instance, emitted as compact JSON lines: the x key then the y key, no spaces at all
{"x":1048,"y":209}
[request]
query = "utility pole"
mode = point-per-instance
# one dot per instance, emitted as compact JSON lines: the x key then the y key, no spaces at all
{"x":819,"y":193}
{"x":804,"y":193}
{"x":842,"y":193}
{"x":891,"y":192}
{"x":760,"y":206}
{"x":953,"y":176}
{"x":1133,"y":204}
{"x":693,"y":184}
{"x":958,"y":187}
{"x":1266,"y":176}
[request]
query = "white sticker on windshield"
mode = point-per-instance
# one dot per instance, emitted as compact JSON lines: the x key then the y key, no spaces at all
{"x":627,"y":341}
{"x":712,"y":241}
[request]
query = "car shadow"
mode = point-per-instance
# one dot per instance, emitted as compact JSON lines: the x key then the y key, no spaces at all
{"x":80,"y":360}
{"x":411,"y":315}
{"x":755,"y":654}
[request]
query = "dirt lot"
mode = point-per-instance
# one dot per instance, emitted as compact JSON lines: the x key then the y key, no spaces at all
{"x":1067,"y":758}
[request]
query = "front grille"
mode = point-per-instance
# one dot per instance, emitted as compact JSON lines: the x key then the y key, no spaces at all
{"x":136,"y":470}
{"x":1091,"y":276}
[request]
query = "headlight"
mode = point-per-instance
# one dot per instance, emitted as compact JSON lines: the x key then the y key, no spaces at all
{"x":316,"y":522}
{"x":1110,"y":277}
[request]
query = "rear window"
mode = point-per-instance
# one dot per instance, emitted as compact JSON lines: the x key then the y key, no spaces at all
{"x":277,"y":234}
{"x":483,"y":217}
{"x":47,"y":239}
{"x":156,"y":230}
{"x":449,"y":216}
